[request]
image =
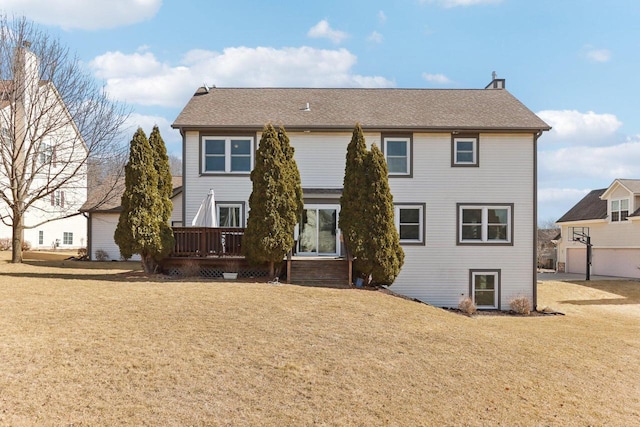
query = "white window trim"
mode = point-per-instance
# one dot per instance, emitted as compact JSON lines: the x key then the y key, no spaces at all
{"x":407,"y":140}
{"x":227,"y":154}
{"x":619,"y":210}
{"x":231,"y":205}
{"x":496,"y":290}
{"x":472,"y":139}
{"x":421,"y":210}
{"x":485,"y":225}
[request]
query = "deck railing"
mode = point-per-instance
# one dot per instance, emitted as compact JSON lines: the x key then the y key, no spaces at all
{"x":206,"y":241}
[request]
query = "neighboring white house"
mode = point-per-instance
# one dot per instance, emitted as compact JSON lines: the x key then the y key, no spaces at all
{"x":611,"y":218}
{"x":54,"y":152}
{"x":462,"y":169}
{"x":103,"y":211}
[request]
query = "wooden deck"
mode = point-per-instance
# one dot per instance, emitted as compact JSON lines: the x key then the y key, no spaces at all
{"x":209,"y":252}
{"x":207,"y":242}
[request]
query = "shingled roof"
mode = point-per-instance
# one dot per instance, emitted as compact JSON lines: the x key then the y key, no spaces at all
{"x":590,"y":207}
{"x":380,"y":109}
{"x":107,"y":196}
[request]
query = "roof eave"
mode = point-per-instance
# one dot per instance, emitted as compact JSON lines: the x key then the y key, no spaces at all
{"x":582,"y":221}
{"x":349,"y":128}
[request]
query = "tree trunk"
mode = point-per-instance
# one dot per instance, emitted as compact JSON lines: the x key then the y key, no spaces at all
{"x":149,"y":265}
{"x":272,"y":269}
{"x":18,"y":237}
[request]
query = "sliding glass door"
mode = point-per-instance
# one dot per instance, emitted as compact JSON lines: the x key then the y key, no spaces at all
{"x":319,"y":234}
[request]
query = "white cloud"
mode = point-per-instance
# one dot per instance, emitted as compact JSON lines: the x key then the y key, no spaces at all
{"x":595,"y":163}
{"x":574,"y":127}
{"x":139,"y":78}
{"x":382,"y":17}
{"x":323,"y":30}
{"x":597,"y":55}
{"x":375,"y":37}
{"x":439,"y":79}
{"x":555,"y":202}
{"x":456,"y":3}
{"x":552,"y":195}
{"x":86,"y":15}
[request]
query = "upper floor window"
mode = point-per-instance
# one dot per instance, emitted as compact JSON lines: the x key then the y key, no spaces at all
{"x":409,"y":221}
{"x":491,"y":224}
{"x":464,"y":151}
{"x":619,"y":210}
{"x":227,"y":154}
{"x":5,"y":136}
{"x":57,"y":198}
{"x":47,"y":155}
{"x":397,"y":152}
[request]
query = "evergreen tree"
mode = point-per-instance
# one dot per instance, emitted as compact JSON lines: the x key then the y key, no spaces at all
{"x":165,"y":191}
{"x":354,"y":194}
{"x":272,"y":205}
{"x":294,"y":173}
{"x":138,"y":229}
{"x":383,"y":256}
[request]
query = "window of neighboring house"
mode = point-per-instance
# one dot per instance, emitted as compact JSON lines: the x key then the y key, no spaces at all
{"x":57,"y":198}
{"x":5,"y":136}
{"x":397,"y":152}
{"x":409,"y":220}
{"x":619,"y":210}
{"x":67,"y":238}
{"x":484,"y":288}
{"x":229,"y":215}
{"x":491,"y":224}
{"x":227,"y":154}
{"x":40,"y":237}
{"x":47,"y":155}
{"x":465,"y":151}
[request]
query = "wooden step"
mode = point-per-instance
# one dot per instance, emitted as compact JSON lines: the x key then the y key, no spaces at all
{"x":329,"y":272}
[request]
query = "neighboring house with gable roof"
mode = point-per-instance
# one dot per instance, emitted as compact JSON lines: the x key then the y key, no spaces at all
{"x":462,"y":171}
{"x":50,"y":160}
{"x":102,"y":210}
{"x":611,"y":216}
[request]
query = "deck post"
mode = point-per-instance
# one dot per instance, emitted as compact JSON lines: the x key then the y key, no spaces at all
{"x":203,"y":242}
{"x":289,"y":266}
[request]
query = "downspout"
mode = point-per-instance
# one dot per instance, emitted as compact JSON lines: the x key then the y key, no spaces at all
{"x":536,"y":135}
{"x":89,"y":239}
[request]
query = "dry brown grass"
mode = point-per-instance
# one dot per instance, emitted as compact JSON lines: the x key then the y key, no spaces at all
{"x":107,"y":346}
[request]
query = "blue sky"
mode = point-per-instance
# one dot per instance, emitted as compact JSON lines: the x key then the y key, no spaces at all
{"x":573,"y":62}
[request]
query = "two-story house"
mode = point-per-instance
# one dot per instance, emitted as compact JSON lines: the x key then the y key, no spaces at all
{"x":462,"y":170}
{"x":43,"y":152}
{"x":610,"y":217}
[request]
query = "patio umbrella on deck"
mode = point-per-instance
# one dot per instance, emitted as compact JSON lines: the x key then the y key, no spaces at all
{"x":206,"y":215}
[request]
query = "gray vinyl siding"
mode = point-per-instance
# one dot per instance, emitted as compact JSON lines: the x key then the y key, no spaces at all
{"x":103,"y":226}
{"x":438,"y":272}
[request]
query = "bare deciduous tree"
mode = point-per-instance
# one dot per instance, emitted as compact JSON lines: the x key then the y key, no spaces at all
{"x":54,"y":119}
{"x":175,"y":165}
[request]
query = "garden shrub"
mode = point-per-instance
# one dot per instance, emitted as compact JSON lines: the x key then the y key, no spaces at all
{"x":467,"y":306}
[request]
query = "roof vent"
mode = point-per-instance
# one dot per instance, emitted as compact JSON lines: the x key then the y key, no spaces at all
{"x":306,"y":108}
{"x":496,"y":83}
